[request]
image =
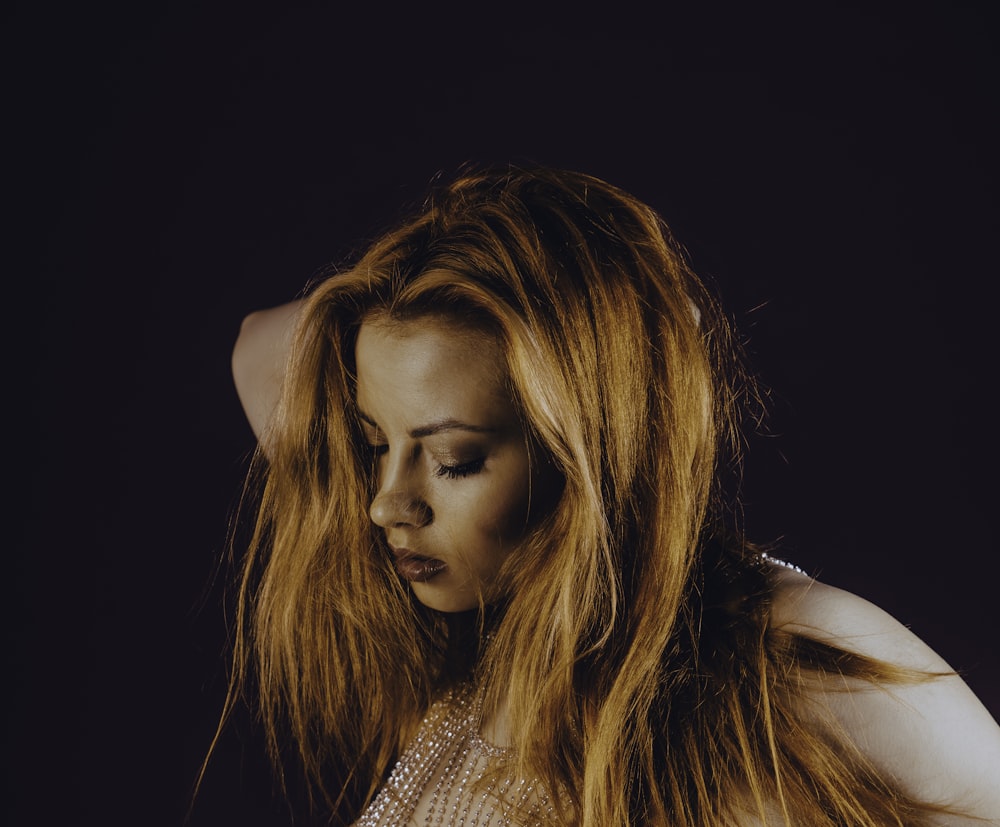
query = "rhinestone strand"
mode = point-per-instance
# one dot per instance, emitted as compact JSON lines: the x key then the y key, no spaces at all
{"x":449,"y":754}
{"x":775,"y":561}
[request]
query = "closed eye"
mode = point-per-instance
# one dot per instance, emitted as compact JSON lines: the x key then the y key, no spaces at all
{"x":463,"y":469}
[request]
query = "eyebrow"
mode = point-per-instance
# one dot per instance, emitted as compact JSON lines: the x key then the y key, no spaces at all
{"x":432,"y":428}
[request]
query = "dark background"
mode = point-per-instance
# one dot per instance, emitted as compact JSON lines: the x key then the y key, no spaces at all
{"x":831,"y":167}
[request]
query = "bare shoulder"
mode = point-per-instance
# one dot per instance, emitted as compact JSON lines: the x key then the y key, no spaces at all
{"x":934,"y":737}
{"x":259,"y":358}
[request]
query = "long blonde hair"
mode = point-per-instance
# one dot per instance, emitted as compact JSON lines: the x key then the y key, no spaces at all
{"x":640,"y":674}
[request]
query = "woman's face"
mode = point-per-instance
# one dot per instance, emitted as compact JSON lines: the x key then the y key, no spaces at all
{"x":454,"y":483}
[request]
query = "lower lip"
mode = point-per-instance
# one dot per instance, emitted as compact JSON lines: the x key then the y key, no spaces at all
{"x":419,"y":569}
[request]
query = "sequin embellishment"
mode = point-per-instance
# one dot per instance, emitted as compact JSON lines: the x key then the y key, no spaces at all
{"x":448,"y":776}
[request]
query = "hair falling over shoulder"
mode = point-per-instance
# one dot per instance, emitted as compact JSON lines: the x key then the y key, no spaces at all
{"x":632,"y":647}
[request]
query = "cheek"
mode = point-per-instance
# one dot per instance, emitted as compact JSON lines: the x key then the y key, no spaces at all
{"x":503,"y":512}
{"x":487,"y":513}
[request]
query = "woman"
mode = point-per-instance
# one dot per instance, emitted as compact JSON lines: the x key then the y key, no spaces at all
{"x":493,"y":580}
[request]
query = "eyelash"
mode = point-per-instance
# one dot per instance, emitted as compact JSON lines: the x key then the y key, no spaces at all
{"x":452,"y":472}
{"x":465,"y":469}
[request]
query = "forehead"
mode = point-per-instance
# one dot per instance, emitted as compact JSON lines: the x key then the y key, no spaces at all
{"x":430,"y":368}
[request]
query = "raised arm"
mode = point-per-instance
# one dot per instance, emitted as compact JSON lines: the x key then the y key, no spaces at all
{"x":259,"y":358}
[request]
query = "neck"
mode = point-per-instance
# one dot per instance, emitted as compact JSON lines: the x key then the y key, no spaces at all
{"x":465,"y":633}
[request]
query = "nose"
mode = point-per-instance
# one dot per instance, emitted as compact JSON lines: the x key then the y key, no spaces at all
{"x":398,"y":508}
{"x":398,"y":502}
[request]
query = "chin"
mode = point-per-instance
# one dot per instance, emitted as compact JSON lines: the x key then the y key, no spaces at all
{"x":444,"y":600}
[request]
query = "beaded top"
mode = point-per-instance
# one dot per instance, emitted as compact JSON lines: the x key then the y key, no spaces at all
{"x":767,"y":558}
{"x":450,"y":776}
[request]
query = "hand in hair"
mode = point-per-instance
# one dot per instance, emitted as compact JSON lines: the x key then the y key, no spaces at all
{"x":496,"y":452}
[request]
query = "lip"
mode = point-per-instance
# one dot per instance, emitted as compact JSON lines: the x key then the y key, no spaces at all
{"x":416,"y":567}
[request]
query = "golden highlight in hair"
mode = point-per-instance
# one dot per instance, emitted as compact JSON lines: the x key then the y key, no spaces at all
{"x":630,"y":642}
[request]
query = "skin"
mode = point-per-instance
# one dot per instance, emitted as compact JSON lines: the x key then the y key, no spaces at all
{"x":258,"y":361}
{"x":454,"y":475}
{"x":935,"y":738}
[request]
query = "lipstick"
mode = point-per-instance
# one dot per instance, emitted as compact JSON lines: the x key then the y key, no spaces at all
{"x":415,"y":567}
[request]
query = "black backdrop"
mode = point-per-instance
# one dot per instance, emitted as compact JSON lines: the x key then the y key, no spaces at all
{"x":168,"y":171}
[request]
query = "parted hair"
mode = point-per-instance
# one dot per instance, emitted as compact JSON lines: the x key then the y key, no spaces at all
{"x":630,"y":635}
